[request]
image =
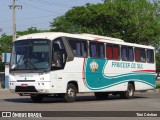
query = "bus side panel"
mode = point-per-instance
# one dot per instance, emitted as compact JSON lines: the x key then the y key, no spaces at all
{"x":103,"y":75}
{"x":71,"y":73}
{"x":58,"y":83}
{"x":74,"y":71}
{"x":142,"y":86}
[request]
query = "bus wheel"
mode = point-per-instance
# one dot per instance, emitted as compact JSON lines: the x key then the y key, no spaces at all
{"x":70,"y":95}
{"x":129,"y":93}
{"x":101,"y":95}
{"x":37,"y":98}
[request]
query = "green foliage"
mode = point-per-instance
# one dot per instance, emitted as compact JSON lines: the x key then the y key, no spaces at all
{"x":5,"y":46}
{"x":135,"y":21}
{"x":158,"y":62}
{"x":158,"y":86}
{"x":30,"y":31}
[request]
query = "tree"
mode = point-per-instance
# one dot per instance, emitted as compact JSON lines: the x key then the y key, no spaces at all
{"x":158,"y":62}
{"x":30,"y":31}
{"x":135,"y":21}
{"x":5,"y":47}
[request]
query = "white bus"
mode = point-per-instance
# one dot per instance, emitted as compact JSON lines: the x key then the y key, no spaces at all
{"x":62,"y":65}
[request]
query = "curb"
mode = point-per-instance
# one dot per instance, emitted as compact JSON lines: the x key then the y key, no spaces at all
{"x":149,"y":91}
{"x":155,"y":90}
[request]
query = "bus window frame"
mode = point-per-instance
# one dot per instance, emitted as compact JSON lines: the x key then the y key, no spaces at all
{"x":81,"y":40}
{"x":127,"y":52}
{"x":140,"y":54}
{"x":112,"y":45}
{"x":97,"y":49}
{"x":153,"y":56}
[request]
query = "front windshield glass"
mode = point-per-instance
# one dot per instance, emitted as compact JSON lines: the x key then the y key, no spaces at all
{"x":30,"y":54}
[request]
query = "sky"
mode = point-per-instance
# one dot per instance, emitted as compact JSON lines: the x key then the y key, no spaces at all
{"x":35,"y":13}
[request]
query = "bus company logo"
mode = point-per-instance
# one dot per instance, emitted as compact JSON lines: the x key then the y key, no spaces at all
{"x":94,"y":66}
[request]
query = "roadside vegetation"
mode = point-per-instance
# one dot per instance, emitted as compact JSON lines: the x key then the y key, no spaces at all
{"x":158,"y":84}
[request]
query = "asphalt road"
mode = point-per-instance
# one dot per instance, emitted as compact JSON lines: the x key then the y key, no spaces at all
{"x":85,"y":102}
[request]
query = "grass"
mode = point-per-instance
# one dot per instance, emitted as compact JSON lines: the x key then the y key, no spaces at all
{"x":158,"y":84}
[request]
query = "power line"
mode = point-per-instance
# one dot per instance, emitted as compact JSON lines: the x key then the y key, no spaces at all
{"x":51,"y":3}
{"x":27,"y":25}
{"x":29,"y":18}
{"x":37,"y":7}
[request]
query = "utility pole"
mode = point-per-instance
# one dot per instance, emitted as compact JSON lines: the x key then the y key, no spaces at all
{"x":13,"y":7}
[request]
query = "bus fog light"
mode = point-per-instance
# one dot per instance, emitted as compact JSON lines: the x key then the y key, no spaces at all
{"x":42,"y":83}
{"x":38,"y":83}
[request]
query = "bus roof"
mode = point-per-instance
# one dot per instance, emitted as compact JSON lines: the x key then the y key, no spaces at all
{"x":53,"y":35}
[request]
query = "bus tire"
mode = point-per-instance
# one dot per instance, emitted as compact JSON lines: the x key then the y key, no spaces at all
{"x":129,"y":93}
{"x":70,"y":95}
{"x":101,"y":95}
{"x":37,"y":98}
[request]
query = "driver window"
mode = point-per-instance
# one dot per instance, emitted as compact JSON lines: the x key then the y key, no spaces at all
{"x":58,"y":54}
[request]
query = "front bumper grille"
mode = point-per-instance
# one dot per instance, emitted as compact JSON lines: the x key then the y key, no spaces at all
{"x":25,"y":80}
{"x":25,"y":89}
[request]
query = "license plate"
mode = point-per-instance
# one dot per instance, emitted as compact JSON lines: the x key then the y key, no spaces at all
{"x":24,"y":85}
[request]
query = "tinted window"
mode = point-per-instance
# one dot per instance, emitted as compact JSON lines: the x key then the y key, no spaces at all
{"x":112,"y":52}
{"x":101,"y":50}
{"x":140,"y":55}
{"x":150,"y":56}
{"x":79,"y":47}
{"x":127,"y":53}
{"x":93,"y":50}
{"x":109,"y":52}
{"x":124,"y":53}
{"x":97,"y":50}
{"x":115,"y":52}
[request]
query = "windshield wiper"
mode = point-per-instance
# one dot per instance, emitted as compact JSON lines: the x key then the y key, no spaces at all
{"x":28,"y":61}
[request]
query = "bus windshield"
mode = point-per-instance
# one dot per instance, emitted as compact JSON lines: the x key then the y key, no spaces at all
{"x":30,"y":54}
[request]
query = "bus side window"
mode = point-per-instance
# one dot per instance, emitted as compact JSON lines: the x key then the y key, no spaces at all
{"x":112,"y":52}
{"x":101,"y":53}
{"x":150,"y":56}
{"x":84,"y":48}
{"x":116,"y":52}
{"x":130,"y":54}
{"x":97,"y":50}
{"x":124,"y":53}
{"x":140,"y":55}
{"x":79,"y":47}
{"x":93,"y":50}
{"x":127,"y":53}
{"x":143,"y":55}
{"x":109,"y":52}
{"x":137,"y":55}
